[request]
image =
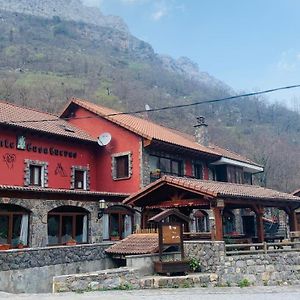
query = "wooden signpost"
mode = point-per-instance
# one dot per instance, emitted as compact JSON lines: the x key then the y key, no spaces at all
{"x":171,"y":234}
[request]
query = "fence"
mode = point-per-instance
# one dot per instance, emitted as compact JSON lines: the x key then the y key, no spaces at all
{"x":256,"y":248}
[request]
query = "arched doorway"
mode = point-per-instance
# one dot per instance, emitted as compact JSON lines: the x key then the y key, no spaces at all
{"x":14,"y":225}
{"x":67,"y":223}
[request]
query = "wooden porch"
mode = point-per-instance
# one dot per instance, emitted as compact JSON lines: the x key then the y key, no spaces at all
{"x":186,"y":195}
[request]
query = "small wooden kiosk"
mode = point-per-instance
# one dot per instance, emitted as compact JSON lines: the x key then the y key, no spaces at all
{"x":170,"y":236}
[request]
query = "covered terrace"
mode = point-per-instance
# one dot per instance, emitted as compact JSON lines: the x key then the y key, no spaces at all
{"x":188,"y":195}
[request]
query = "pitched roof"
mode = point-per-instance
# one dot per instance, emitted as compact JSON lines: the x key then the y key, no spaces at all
{"x":28,"y":118}
{"x":139,"y":243}
{"x":169,"y":212}
{"x":215,"y":189}
{"x":152,"y":131}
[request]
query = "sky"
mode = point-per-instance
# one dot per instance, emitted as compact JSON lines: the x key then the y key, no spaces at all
{"x":249,"y":45}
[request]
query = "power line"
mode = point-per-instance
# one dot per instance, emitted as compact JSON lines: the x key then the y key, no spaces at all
{"x":169,"y":107}
{"x":208,"y":101}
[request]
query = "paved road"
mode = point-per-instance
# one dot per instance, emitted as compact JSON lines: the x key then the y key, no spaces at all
{"x":261,"y":293}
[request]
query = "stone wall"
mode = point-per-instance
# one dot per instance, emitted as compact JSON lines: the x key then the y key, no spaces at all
{"x":259,"y":269}
{"x":120,"y":278}
{"x":38,"y":217}
{"x":32,"y":270}
{"x":210,"y":254}
{"x":262,"y":269}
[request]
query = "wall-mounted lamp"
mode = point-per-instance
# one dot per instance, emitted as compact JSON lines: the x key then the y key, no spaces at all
{"x":102,"y":207}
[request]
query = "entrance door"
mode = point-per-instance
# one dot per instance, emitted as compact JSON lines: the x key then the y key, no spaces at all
{"x":249,"y":225}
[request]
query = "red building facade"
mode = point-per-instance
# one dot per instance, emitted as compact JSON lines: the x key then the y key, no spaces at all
{"x":58,"y":183}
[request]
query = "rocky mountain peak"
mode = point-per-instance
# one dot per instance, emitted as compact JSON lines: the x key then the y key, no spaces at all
{"x":71,"y":10}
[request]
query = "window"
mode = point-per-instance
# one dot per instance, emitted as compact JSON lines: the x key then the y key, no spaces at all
{"x":198,"y":170}
{"x":165,"y":165}
{"x":66,"y":223}
{"x":201,"y":221}
{"x":247,"y":178}
{"x":234,"y":174}
{"x":80,"y":179}
{"x":117,"y":222}
{"x":36,"y":175}
{"x":228,"y":222}
{"x":14,"y":225}
{"x":121,"y":165}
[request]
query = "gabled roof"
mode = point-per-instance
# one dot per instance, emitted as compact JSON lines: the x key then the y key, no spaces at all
{"x":152,"y":131}
{"x":139,"y":243}
{"x":167,"y":213}
{"x":213,"y":190}
{"x":31,"y":119}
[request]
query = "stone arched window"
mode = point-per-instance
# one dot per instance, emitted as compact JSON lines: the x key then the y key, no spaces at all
{"x":66,"y":223}
{"x":14,"y":225}
{"x":201,"y":221}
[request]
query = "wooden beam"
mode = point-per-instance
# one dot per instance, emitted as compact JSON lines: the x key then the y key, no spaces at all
{"x":218,"y":223}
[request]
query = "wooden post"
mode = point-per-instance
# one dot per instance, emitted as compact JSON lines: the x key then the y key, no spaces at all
{"x":260,"y":226}
{"x":293,"y":221}
{"x":218,"y":223}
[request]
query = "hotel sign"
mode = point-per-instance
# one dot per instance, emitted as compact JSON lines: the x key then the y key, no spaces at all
{"x":21,"y":144}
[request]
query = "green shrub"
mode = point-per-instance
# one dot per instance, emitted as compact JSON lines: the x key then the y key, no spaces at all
{"x":244,"y":283}
{"x":195,"y":264}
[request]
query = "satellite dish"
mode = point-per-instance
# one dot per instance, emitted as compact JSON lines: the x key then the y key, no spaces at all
{"x":147,"y":107}
{"x":104,"y":139}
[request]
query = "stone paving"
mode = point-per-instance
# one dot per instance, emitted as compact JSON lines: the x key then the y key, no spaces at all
{"x":257,"y":293}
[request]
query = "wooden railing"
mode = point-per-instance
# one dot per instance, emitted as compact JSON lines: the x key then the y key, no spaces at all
{"x":240,"y":249}
{"x":146,"y":230}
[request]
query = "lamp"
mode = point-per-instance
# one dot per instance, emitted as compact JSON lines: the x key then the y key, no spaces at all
{"x":102,"y":207}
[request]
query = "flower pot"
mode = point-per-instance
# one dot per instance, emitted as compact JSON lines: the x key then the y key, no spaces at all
{"x":20,"y":246}
{"x":4,"y":246}
{"x":71,"y":243}
{"x":114,"y":238}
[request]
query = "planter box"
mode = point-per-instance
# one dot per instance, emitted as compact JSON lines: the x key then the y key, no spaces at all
{"x":5,"y":247}
{"x":170,"y":267}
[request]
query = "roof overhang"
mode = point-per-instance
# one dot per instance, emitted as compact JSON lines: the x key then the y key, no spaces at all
{"x":175,"y":192}
{"x":246,"y":166}
{"x":11,"y":191}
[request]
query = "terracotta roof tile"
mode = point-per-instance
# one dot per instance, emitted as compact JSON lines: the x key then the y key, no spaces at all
{"x":141,"y":243}
{"x":22,"y":117}
{"x":216,"y":189}
{"x":58,"y":191}
{"x":150,"y":130}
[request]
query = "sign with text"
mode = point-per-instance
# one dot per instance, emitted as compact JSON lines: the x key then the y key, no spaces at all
{"x":171,"y":233}
{"x":22,"y":144}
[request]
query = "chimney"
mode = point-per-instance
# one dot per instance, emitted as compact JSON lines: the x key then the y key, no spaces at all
{"x":201,"y":132}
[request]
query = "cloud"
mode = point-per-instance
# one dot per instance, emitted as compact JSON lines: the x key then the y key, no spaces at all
{"x":161,"y":10}
{"x":289,"y":61}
